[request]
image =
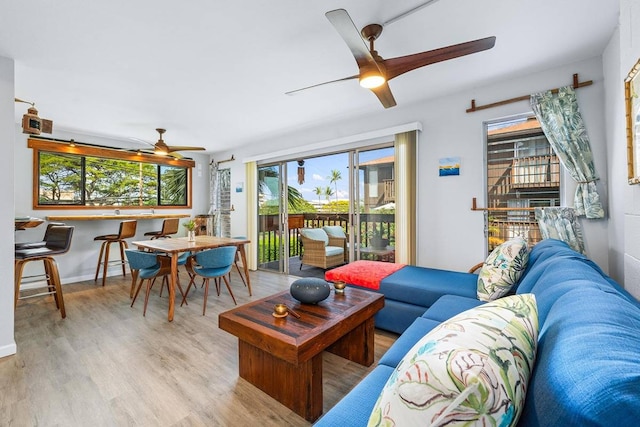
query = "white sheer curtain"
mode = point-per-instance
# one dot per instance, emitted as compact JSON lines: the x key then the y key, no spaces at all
{"x":405,"y":182}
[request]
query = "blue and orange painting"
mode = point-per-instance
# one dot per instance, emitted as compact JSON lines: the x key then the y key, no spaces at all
{"x":449,"y":166}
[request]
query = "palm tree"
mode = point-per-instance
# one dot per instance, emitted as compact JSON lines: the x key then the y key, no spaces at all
{"x":294,"y":197}
{"x":328,"y":192}
{"x":334,"y":178}
{"x":319,"y":191}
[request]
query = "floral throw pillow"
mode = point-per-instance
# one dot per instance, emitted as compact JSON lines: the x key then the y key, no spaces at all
{"x":471,"y":370}
{"x":502,"y":269}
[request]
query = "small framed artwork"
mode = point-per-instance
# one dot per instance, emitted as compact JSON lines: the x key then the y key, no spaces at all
{"x":632,"y":110}
{"x":449,"y":166}
{"x":239,"y":187}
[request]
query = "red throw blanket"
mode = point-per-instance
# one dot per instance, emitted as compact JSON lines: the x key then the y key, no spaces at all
{"x":367,"y":274}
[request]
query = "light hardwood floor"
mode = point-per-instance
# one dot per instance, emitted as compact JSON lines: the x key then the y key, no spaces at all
{"x":106,"y":365}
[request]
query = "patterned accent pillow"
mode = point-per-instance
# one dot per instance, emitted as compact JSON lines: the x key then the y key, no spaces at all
{"x":471,"y":370}
{"x":502,"y":269}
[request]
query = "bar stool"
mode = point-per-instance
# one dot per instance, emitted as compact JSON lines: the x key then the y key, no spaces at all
{"x":58,"y":242}
{"x":40,"y":244}
{"x":169,"y":226}
{"x":127,"y":230}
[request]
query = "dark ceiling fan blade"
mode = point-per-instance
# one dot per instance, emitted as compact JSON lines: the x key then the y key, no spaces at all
{"x":293,"y":92}
{"x":384,"y":95}
{"x":403,"y":64}
{"x":343,"y":24}
{"x":172,"y":148}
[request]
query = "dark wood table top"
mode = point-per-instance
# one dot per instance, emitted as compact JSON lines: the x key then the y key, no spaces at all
{"x":294,"y":339}
{"x":27,"y":222}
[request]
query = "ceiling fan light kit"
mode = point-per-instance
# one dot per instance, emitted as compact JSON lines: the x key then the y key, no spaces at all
{"x":371,"y":77}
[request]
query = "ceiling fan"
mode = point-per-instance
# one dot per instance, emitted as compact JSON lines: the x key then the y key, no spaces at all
{"x":161,"y":147}
{"x":374,"y":72}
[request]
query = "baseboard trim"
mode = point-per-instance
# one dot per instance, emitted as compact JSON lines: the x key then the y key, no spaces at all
{"x":8,"y":350}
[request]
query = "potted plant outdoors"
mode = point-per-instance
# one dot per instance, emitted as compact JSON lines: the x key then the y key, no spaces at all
{"x":376,"y":241}
{"x":191,"y":229}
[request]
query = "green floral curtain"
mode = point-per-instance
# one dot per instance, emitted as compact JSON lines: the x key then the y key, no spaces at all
{"x":563,"y":126}
{"x":561,"y":224}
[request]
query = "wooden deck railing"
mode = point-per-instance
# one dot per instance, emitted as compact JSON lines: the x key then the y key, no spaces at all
{"x":269,"y":238}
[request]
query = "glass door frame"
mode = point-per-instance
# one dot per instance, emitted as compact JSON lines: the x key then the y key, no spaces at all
{"x":282,"y":216}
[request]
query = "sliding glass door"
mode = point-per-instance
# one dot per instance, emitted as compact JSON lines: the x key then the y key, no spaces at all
{"x":353,"y":189}
{"x":272,"y":233}
{"x":374,"y":204}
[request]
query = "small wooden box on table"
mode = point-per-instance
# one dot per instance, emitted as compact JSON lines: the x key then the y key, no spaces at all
{"x":283,"y":356}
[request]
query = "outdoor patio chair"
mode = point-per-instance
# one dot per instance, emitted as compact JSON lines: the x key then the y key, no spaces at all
{"x":320,"y":249}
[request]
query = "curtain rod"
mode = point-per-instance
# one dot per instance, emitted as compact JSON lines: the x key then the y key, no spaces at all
{"x":474,"y":107}
{"x":230,"y":159}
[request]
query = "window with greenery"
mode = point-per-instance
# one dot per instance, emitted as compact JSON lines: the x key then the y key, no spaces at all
{"x":70,"y":177}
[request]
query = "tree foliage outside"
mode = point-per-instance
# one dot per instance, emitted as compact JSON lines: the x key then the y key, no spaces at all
{"x":268,"y":194}
{"x":334,"y":178}
{"x":91,"y":181}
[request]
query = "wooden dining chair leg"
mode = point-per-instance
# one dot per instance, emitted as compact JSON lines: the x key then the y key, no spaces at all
{"x":229,"y":288}
{"x":137,"y":292}
{"x":239,"y":273}
{"x":216,"y":280}
{"x":134,"y":279}
{"x":206,"y":293}
{"x":146,"y":296}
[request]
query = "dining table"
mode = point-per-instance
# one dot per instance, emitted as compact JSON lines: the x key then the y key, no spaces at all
{"x":173,"y":247}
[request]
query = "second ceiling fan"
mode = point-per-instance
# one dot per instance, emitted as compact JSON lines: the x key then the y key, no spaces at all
{"x":373,"y":71}
{"x":161,"y":147}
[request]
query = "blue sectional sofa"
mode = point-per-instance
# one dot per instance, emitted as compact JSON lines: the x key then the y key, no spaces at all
{"x":587,"y":367}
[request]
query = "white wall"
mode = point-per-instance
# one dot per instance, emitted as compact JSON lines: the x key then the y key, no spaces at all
{"x":450,"y":235}
{"x":627,"y":48}
{"x":7,"y":342}
{"x":80,"y":262}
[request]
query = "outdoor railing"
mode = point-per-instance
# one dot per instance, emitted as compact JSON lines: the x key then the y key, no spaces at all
{"x":269,"y":238}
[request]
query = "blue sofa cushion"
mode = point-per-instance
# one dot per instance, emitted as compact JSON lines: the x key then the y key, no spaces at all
{"x":423,"y":286}
{"x":448,"y":306}
{"x":418,"y":329}
{"x":355,"y":408}
{"x":586,"y":369}
{"x":396,"y":316}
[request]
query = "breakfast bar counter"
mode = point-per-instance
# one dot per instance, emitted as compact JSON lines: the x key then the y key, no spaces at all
{"x":114,"y":216}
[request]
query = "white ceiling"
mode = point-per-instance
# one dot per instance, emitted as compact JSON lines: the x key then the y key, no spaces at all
{"x":215,"y":73}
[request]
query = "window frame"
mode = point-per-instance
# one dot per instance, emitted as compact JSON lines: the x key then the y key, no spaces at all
{"x":91,"y":150}
{"x":505,"y":211}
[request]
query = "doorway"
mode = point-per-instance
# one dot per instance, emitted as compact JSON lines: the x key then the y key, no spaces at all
{"x":354,"y":189}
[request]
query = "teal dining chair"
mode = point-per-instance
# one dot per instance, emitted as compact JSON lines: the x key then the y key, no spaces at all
{"x":147,"y":266}
{"x":211,"y":264}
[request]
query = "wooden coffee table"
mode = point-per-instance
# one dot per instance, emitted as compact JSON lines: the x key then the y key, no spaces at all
{"x":283,"y":356}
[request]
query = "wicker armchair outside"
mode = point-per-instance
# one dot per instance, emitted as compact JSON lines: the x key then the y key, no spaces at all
{"x":338,"y":232}
{"x":321,"y":250}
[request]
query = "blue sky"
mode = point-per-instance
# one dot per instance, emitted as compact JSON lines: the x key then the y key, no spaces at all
{"x":318,"y":172}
